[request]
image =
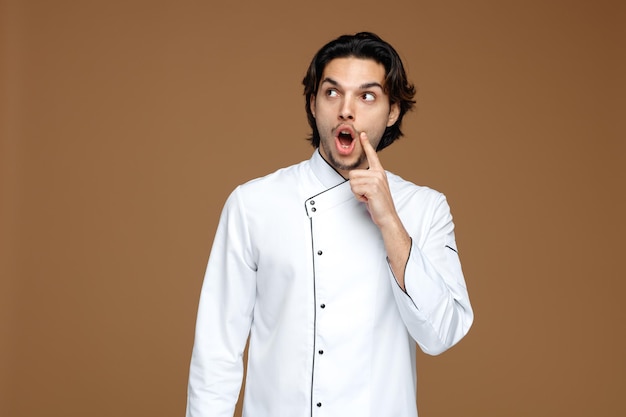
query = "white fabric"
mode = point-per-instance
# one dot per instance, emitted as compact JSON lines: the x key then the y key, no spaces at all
{"x":298,"y":265}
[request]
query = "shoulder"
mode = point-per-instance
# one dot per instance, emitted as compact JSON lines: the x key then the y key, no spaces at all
{"x":403,"y":190}
{"x":266,"y":201}
{"x":271,"y":187}
{"x":278,"y":178}
{"x":418,"y":206}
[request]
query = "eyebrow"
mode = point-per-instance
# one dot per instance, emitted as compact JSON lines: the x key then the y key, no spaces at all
{"x":361,"y":87}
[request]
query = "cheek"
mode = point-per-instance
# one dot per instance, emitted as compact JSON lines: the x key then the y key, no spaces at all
{"x":377,"y":130}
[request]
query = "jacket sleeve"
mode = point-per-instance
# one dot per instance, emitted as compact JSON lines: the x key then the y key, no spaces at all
{"x":435,"y":307}
{"x":224,"y":318}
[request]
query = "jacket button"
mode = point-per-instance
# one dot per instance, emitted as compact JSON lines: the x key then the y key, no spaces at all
{"x":313,"y":209}
{"x":312,"y":202}
{"x":319,"y":404}
{"x":322,"y":305}
{"x":321,"y":352}
{"x":319,"y":252}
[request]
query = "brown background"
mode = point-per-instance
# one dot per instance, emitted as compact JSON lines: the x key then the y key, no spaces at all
{"x":125,"y":125}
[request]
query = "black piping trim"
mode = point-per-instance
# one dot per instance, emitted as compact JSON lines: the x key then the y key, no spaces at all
{"x":326,"y":190}
{"x":334,"y":169}
{"x":451,"y":248}
{"x":314,"y":315}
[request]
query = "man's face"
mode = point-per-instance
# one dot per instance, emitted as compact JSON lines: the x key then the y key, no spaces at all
{"x":350,"y":100}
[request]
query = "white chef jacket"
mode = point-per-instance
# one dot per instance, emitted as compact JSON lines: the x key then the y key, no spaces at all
{"x":298,"y":265}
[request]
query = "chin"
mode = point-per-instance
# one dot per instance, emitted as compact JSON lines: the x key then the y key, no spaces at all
{"x":346,"y":163}
{"x":341,"y":162}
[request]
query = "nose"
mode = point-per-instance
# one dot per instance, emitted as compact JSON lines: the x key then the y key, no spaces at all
{"x":346,"y":112}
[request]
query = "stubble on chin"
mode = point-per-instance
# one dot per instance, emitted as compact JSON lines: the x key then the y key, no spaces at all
{"x":340,"y":166}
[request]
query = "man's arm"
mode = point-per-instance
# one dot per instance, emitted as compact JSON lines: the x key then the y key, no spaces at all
{"x":431,"y":294}
{"x":224,"y":319}
{"x":371,"y":187}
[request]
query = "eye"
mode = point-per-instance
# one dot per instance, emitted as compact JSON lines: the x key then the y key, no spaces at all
{"x":369,"y":96}
{"x":331,"y":92}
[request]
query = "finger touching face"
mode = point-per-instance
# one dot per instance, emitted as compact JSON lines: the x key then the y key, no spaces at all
{"x":370,"y":152}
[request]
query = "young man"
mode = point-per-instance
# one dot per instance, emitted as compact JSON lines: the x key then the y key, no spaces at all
{"x":333,"y":267}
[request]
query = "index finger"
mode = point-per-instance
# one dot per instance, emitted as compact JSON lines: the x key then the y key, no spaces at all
{"x":370,"y":153}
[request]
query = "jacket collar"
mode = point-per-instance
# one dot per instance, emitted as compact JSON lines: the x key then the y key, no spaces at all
{"x":324,"y":171}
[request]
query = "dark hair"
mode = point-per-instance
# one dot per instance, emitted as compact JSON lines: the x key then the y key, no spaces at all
{"x":365,"y":45}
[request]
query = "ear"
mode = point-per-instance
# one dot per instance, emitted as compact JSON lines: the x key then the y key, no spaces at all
{"x":394,"y":113}
{"x":312,"y":104}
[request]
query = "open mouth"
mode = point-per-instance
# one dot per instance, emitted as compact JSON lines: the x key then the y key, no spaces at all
{"x":344,"y":139}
